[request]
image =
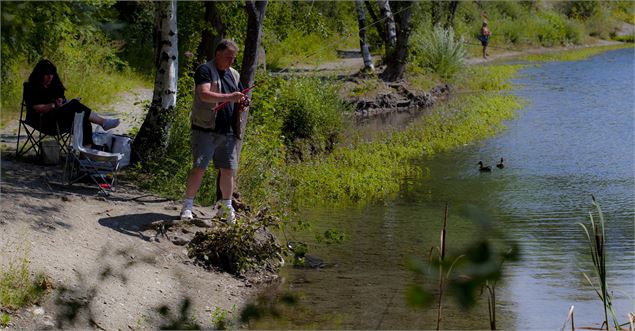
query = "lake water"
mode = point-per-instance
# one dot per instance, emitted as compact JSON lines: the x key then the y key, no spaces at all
{"x":575,"y":138}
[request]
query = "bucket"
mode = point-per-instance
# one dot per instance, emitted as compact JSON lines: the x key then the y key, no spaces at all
{"x":50,"y":152}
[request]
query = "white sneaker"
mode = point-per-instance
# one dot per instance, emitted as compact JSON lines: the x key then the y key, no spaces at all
{"x":223,"y":212}
{"x":230,"y":215}
{"x":186,"y":214}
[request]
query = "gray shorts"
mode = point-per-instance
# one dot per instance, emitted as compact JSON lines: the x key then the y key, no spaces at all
{"x":210,"y":145}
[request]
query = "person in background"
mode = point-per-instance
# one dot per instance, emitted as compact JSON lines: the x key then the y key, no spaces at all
{"x":214,"y":133}
{"x":484,"y":38}
{"x":48,"y":110}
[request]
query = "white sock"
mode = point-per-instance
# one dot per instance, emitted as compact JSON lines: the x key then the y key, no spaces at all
{"x":110,"y":123}
{"x":227,"y":203}
{"x":187,"y":203}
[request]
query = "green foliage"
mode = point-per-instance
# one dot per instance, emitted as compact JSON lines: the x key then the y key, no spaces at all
{"x":439,"y":51}
{"x":573,"y":55}
{"x":367,"y":170}
{"x":220,"y":319}
{"x":466,"y":270}
{"x":579,"y":9}
{"x":17,"y":288}
{"x":601,"y":24}
{"x":486,"y":78}
{"x":312,"y":115}
{"x":237,"y":249}
{"x":307,"y":33}
{"x":68,"y":34}
{"x":5,"y":319}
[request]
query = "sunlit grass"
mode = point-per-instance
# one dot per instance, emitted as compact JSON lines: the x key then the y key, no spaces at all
{"x":573,"y":54}
{"x":17,"y":287}
{"x":368,"y":170}
{"x":96,"y":87}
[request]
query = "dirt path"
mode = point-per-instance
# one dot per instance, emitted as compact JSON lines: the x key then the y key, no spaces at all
{"x":99,"y":249}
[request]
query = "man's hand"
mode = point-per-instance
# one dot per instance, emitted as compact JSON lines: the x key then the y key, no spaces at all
{"x":236,"y":97}
{"x":59,"y":102}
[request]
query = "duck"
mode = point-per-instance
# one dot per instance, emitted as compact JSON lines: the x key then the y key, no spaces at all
{"x":483,"y":168}
{"x":500,"y":164}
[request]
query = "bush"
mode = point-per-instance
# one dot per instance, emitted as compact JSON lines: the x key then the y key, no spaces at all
{"x":575,"y":32}
{"x":550,"y":30}
{"x":312,"y":112}
{"x":600,"y":24}
{"x":438,"y":51}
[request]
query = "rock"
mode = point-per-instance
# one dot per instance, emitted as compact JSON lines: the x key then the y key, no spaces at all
{"x":179,"y":241}
{"x":38,"y":311}
{"x":202,"y":223}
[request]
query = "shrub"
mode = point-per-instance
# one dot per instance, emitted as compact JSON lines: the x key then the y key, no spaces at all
{"x":438,"y":51}
{"x":312,"y":112}
{"x":550,"y":30}
{"x":600,"y":24}
{"x":574,"y":32}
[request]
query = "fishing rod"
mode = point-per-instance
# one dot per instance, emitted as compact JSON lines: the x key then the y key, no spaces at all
{"x":223,"y":104}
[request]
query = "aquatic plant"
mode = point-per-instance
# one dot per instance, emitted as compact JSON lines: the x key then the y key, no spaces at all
{"x":596,"y":238}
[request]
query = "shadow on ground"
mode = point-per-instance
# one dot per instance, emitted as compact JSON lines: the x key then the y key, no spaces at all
{"x":134,"y":225}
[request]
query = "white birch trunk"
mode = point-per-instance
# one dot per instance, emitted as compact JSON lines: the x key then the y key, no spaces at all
{"x":361,"y":19}
{"x":389,"y":22}
{"x":152,"y":140}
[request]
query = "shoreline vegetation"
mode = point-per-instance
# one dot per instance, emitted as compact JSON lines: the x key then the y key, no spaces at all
{"x":302,"y":147}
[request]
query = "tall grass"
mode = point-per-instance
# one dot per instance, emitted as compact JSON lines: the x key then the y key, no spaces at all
{"x":596,"y":238}
{"x":17,"y":288}
{"x":439,"y":51}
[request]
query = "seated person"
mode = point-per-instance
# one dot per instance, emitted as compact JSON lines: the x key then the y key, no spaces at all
{"x":49,"y":112}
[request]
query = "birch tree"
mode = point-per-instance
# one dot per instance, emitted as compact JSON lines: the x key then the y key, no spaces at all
{"x":389,"y":23}
{"x":396,"y":58}
{"x":151,"y":141}
{"x":363,"y":45}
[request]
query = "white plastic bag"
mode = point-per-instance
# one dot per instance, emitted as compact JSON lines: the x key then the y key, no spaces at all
{"x":122,"y":144}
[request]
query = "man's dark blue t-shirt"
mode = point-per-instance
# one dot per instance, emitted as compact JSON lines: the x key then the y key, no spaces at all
{"x":226,"y":117}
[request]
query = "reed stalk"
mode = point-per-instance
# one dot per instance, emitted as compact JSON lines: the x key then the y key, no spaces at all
{"x":597,"y":244}
{"x":569,"y":318}
{"x":442,"y":258}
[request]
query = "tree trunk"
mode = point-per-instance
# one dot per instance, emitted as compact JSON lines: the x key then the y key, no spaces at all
{"x":436,"y":12}
{"x":210,"y":37}
{"x":151,"y":141}
{"x":376,"y":22}
{"x":451,"y":12}
{"x":396,"y":59}
{"x":255,"y":18}
{"x":363,"y":45}
{"x":389,"y":23}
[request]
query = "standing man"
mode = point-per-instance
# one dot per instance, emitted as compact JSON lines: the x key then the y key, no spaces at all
{"x":214,"y":133}
{"x":484,"y":38}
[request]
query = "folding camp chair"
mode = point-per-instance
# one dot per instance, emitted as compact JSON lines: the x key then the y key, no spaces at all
{"x":34,"y":135}
{"x":83,"y":162}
